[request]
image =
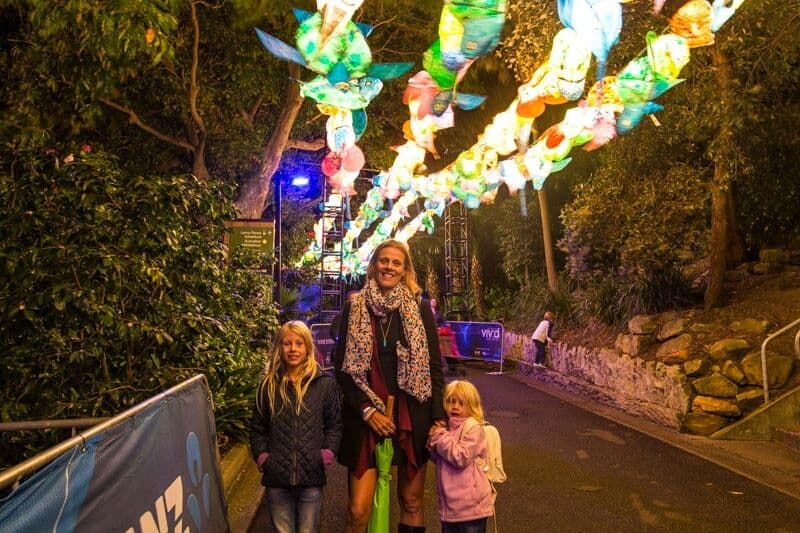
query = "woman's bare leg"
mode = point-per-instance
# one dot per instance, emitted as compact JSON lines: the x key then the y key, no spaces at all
{"x":412,"y":493}
{"x":360,"y":504}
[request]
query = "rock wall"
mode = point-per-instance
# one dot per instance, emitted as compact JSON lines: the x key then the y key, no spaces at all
{"x":648,"y":389}
{"x":679,"y":372}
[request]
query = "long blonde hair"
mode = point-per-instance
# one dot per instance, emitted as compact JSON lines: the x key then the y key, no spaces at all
{"x":469,"y":395}
{"x":276,"y":377}
{"x":409,"y":276}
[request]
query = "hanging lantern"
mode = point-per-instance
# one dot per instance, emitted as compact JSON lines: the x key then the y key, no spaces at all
{"x":693,"y":22}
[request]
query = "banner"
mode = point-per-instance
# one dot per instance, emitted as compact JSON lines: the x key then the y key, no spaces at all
{"x":325,"y":344}
{"x":478,"y":340}
{"x":155,"y":471}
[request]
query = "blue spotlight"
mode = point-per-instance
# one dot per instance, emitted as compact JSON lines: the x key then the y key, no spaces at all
{"x":300,"y":181}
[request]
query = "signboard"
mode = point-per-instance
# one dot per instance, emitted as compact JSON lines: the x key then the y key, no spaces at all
{"x":325,"y":343}
{"x":255,"y":235}
{"x":154,"y":470}
{"x":479,"y":340}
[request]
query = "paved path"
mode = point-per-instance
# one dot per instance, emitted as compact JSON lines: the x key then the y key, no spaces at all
{"x":571,"y":470}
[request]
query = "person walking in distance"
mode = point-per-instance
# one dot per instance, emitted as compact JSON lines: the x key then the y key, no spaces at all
{"x":388,"y":346}
{"x":295,"y":430}
{"x":541,"y":337}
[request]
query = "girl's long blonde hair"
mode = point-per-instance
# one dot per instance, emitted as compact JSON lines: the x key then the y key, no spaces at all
{"x":469,"y":395}
{"x":276,"y":378}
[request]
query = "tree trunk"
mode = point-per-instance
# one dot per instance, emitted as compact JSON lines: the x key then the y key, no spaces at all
{"x":734,"y":237}
{"x":476,"y":273}
{"x":544,"y":212}
{"x":432,"y":282}
{"x":549,"y":258}
{"x":199,"y":168}
{"x":721,"y":206}
{"x":254,"y":189}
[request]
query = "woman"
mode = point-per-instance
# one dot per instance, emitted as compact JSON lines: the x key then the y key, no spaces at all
{"x":388,"y":345}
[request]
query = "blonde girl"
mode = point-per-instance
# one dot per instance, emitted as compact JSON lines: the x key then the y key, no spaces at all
{"x":295,"y":430}
{"x":458,"y":451}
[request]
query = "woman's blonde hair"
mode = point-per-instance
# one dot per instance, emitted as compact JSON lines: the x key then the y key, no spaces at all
{"x":469,"y":396}
{"x":409,"y":276}
{"x":276,"y":378}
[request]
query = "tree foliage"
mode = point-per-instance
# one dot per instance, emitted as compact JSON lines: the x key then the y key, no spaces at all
{"x":115,"y":287}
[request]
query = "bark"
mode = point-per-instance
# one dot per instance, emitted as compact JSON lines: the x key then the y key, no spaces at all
{"x":432,"y":282}
{"x":547,"y":238}
{"x":549,"y":257}
{"x":721,"y":206}
{"x":476,"y":275}
{"x":199,"y":168}
{"x":734,"y":236}
{"x":254,"y":189}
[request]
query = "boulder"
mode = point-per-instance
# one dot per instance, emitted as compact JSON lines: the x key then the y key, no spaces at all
{"x":779,"y":369}
{"x":773,"y":255}
{"x":728,"y":349}
{"x":733,"y":276}
{"x":702,"y":423}
{"x":633,"y":344}
{"x":715,"y":385}
{"x":715,"y":406}
{"x":675,"y":350}
{"x":642,"y":325}
{"x":732,"y":371}
{"x":671,"y":329}
{"x":750,"y":399}
{"x":700,"y":327}
{"x":767,"y":268}
{"x":696,"y":367}
{"x":750,"y":326}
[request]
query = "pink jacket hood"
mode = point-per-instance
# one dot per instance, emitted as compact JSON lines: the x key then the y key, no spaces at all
{"x":463,"y":490}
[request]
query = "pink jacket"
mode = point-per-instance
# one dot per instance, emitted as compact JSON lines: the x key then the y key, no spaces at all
{"x":464,"y":491}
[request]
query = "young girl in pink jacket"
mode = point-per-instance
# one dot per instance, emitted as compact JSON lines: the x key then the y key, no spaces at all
{"x":458,"y":451}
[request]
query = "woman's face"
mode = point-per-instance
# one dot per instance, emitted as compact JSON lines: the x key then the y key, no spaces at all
{"x":293,"y":351}
{"x":390,"y":268}
{"x":454,"y":407}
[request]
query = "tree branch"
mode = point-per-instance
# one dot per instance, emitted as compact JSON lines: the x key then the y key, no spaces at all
{"x":194,"y":90}
{"x":249,"y":117}
{"x":311,"y":146}
{"x":134,"y":119}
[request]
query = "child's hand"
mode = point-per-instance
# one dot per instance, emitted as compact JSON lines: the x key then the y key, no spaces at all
{"x":436,"y":427}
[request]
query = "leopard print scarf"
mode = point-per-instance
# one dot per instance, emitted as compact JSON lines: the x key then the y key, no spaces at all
{"x":413,"y":365}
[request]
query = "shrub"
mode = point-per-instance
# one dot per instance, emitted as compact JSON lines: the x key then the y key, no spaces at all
{"x":115,"y":287}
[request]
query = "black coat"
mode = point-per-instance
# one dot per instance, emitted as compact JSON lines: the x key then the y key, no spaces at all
{"x":295,"y":442}
{"x":423,"y":414}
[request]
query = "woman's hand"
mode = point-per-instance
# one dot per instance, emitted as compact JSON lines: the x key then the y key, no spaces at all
{"x":380,"y":424}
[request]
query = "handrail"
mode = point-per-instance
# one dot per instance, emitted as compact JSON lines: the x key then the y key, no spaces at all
{"x":68,"y":423}
{"x":15,"y":473}
{"x":764,"y":354}
{"x":797,"y":345}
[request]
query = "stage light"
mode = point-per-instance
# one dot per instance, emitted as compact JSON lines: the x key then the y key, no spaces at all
{"x":300,"y":181}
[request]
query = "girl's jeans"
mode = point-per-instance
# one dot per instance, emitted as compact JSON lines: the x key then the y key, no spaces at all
{"x":295,"y":510}
{"x":471,"y":526}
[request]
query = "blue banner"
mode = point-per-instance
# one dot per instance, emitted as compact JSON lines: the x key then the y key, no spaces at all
{"x":325,"y":344}
{"x":155,"y":471}
{"x":479,"y":340}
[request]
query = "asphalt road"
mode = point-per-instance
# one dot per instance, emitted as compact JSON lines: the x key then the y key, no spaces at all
{"x":571,"y":470}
